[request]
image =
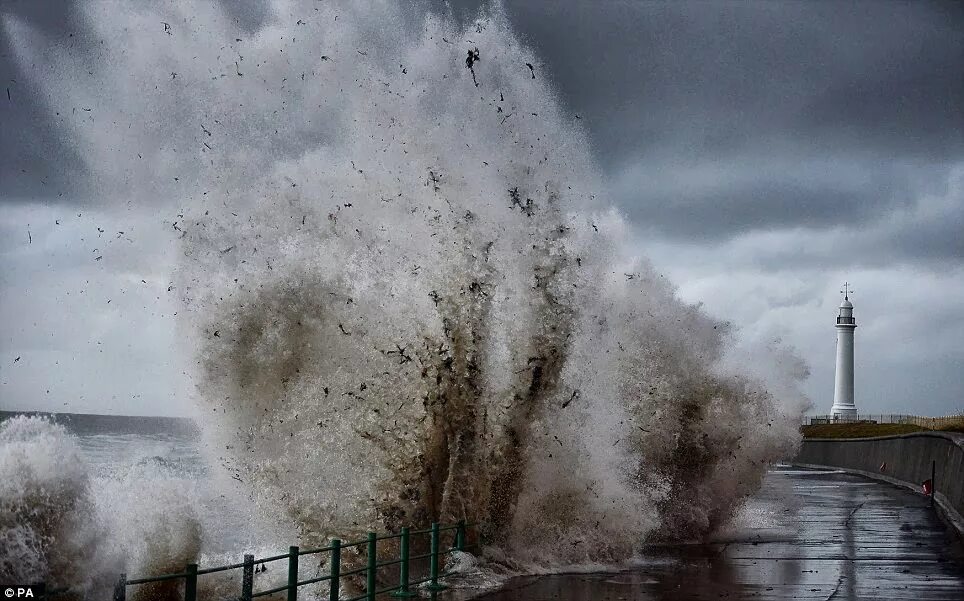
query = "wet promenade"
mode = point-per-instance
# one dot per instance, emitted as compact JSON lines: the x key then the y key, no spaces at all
{"x":807,"y":535}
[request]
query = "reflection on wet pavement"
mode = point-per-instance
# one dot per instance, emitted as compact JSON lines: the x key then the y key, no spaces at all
{"x":808,"y":535}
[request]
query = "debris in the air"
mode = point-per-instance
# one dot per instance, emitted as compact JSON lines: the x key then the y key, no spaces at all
{"x":528,"y":207}
{"x":514,"y":197}
{"x":470,"y":61}
{"x":575,"y":395}
{"x":435,"y":179}
{"x":400,"y":351}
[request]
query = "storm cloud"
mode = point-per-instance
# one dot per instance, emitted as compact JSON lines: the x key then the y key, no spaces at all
{"x":764,"y":152}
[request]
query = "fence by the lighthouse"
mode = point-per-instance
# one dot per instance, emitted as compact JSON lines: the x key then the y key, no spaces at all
{"x":933,"y":423}
{"x":456,"y":533}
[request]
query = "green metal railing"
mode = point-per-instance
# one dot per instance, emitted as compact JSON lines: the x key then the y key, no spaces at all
{"x":335,"y":575}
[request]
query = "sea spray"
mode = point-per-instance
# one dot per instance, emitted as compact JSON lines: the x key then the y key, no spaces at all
{"x":151,"y":512}
{"x":421,"y":319}
{"x":62,"y":527}
{"x":407,"y":295}
{"x":46,"y":505}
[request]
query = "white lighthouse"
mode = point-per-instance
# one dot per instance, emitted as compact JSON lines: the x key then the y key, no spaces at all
{"x":843,"y":391}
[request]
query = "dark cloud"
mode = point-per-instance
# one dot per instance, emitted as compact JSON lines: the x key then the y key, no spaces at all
{"x":778,"y":141}
{"x":757,"y":205}
{"x":713,"y":76}
{"x":939,"y":239}
{"x":812,"y":115}
{"x":771,"y":115}
{"x":35,"y":159}
{"x":692,"y":80}
{"x":925,"y":235}
{"x":718,"y":119}
{"x":733,"y":196}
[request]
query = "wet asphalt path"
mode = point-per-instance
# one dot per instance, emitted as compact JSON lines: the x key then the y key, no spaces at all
{"x":807,"y":535}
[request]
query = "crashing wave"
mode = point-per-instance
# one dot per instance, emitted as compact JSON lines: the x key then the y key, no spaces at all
{"x":408,"y":297}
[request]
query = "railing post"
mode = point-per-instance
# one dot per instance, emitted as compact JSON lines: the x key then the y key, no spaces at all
{"x":433,"y":584}
{"x":247,"y":578}
{"x":335,"y":569}
{"x":120,"y":588}
{"x":190,"y":582}
{"x":292,"y":573}
{"x":370,"y":573}
{"x":403,"y":568}
{"x":933,"y":481}
{"x":460,"y":536}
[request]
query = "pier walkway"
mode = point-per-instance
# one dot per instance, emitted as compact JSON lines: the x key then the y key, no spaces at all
{"x":808,"y":534}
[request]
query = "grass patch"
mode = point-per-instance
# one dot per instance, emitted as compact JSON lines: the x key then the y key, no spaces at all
{"x":857,"y":430}
{"x":959,"y":427}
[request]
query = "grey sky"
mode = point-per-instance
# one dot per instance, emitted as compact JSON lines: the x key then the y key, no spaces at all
{"x":764,"y":152}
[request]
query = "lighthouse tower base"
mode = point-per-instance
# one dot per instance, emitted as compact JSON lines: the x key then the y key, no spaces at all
{"x":843,"y":412}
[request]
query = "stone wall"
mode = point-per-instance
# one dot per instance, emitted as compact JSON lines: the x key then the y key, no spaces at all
{"x":904,"y":459}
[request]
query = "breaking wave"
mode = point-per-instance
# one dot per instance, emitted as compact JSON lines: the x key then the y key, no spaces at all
{"x":61,"y":526}
{"x":408,"y":297}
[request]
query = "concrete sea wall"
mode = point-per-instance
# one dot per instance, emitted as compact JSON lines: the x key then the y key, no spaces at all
{"x":904,"y":460}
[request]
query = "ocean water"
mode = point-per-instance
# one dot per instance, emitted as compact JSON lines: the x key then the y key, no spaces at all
{"x":113,"y":444}
{"x":127,"y":458}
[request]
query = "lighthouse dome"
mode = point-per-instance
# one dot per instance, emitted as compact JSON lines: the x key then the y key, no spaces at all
{"x":846,"y":304}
